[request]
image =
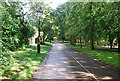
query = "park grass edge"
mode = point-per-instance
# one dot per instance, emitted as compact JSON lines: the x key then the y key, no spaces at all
{"x":117,"y":66}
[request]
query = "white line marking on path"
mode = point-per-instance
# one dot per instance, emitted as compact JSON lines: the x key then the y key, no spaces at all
{"x":84,"y":68}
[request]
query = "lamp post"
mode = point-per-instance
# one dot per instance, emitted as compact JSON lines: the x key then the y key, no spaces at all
{"x":39,"y":13}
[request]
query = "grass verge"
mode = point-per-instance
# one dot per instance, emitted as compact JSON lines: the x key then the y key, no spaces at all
{"x":21,"y":64}
{"x":107,"y":57}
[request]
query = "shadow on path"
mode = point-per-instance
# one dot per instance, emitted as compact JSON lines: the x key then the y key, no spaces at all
{"x":63,"y":62}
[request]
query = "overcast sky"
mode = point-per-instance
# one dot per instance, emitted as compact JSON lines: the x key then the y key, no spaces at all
{"x":55,"y":3}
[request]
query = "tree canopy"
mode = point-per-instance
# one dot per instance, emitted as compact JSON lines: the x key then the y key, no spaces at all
{"x":89,"y":21}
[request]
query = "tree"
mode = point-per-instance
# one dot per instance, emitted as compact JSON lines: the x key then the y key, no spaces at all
{"x":93,"y":22}
{"x":16,"y":31}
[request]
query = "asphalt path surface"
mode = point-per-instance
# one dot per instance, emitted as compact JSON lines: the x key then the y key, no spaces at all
{"x":62,"y":62}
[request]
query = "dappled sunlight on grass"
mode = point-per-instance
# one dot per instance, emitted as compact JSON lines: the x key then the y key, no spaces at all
{"x":24,"y":62}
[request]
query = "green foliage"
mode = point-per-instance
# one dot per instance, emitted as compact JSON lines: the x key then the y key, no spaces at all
{"x":10,"y":32}
{"x":14,"y":34}
{"x":45,"y":19}
{"x":21,"y":64}
{"x":91,"y":22}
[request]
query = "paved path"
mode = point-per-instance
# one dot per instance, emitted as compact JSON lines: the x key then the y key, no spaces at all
{"x":63,"y":62}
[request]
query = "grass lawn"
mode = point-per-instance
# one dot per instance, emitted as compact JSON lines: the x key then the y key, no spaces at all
{"x":21,"y":64}
{"x":107,"y":57}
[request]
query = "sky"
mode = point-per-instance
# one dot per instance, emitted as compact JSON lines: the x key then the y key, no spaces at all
{"x":55,"y":3}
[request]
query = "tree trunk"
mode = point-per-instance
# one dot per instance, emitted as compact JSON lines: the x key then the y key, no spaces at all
{"x":73,"y":40}
{"x":118,"y":41}
{"x":91,"y":29}
{"x":80,"y":42}
{"x":92,"y":43}
{"x":111,"y":42}
{"x":111,"y":38}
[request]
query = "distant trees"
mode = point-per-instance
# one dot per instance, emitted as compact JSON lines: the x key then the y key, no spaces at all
{"x":89,"y":21}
